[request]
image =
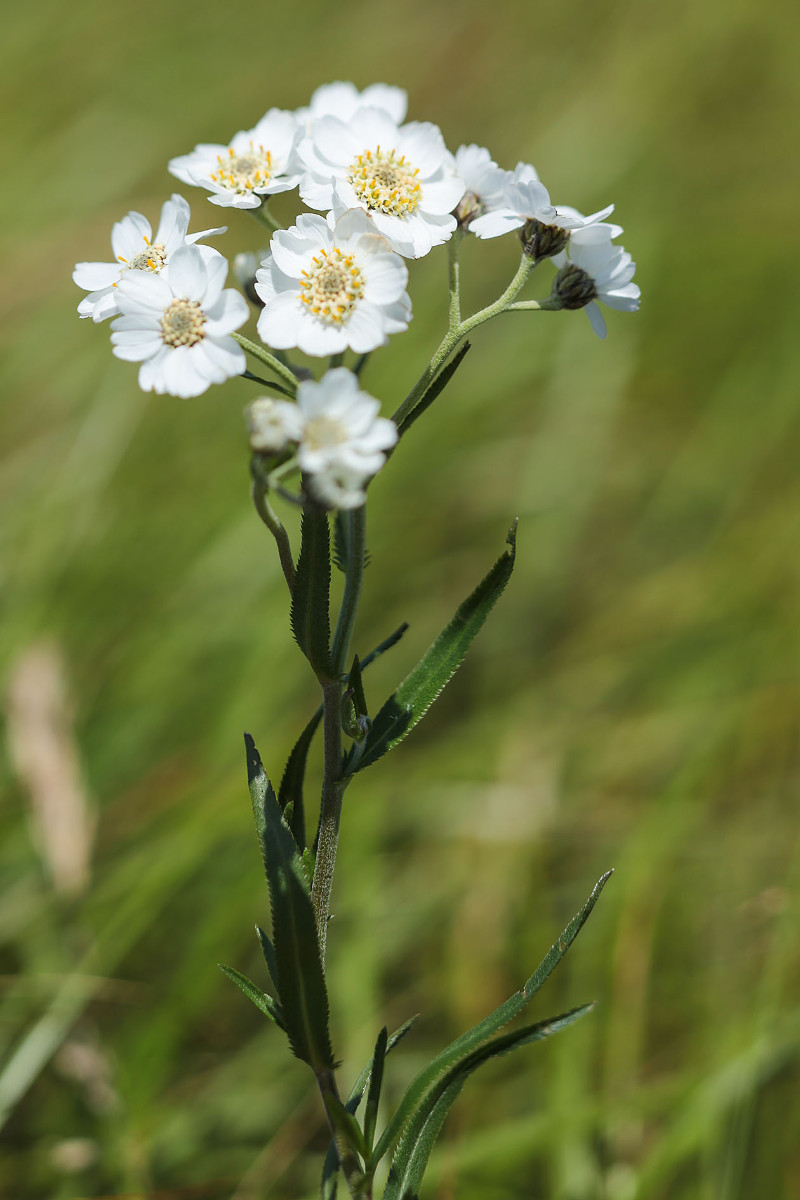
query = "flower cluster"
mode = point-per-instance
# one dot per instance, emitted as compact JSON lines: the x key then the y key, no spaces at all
{"x":384,"y":191}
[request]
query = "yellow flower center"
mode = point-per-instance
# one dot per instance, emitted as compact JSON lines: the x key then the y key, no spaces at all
{"x":332,"y":286}
{"x":241,"y":172}
{"x":152,"y":258}
{"x":182,"y":323}
{"x":321,"y":432}
{"x":385,"y":182}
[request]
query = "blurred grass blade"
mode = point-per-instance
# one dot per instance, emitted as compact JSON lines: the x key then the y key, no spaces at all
{"x":469,"y":1042}
{"x":420,"y":1133}
{"x":406,"y":707}
{"x":436,"y":388}
{"x":264,"y":1003}
{"x":310,"y":615}
{"x":301,"y":982}
{"x":291,"y":786}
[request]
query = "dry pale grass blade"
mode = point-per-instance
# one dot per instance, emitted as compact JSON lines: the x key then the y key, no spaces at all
{"x":43,"y":750}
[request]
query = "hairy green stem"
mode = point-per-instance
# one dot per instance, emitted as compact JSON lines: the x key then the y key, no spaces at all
{"x":265,"y":217}
{"x":333,"y":786}
{"x":458,"y":330}
{"x":269,"y":360}
{"x":275,"y":526}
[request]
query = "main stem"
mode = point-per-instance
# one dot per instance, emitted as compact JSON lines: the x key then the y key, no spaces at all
{"x":333,"y":785}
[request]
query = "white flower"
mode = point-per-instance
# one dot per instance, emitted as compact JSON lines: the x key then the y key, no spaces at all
{"x":403,"y":176}
{"x":608,"y":267}
{"x":343,"y":440}
{"x":342,"y":99}
{"x":257,"y":162}
{"x":485,"y":183}
{"x":135,"y":249}
{"x":330,"y":286}
{"x":178,"y":324}
{"x":527,"y":199}
{"x":273,"y":424}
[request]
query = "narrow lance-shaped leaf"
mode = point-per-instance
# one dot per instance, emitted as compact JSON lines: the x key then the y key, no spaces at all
{"x":375,"y":1085}
{"x":263,"y":1002}
{"x":291,"y":787}
{"x":434,"y":390}
{"x":470,"y":1041}
{"x":331,"y":1164}
{"x":417,"y":692}
{"x":311,"y":621}
{"x":301,"y":982}
{"x":268,"y":950}
{"x":419,"y":1135}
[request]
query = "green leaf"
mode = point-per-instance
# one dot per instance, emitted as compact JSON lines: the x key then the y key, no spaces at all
{"x":375,"y":1085}
{"x":311,"y":622}
{"x":435,"y":389}
{"x":264,"y":1003}
{"x":417,"y":692}
{"x":392,"y":640}
{"x":469,"y":1042}
{"x":345,"y":1124}
{"x":291,"y":787}
{"x":331,"y":1165}
{"x":416,"y":1143}
{"x":301,"y":982}
{"x":355,"y":718}
{"x":268,"y":950}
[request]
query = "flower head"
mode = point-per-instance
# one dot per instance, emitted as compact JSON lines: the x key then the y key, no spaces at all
{"x":331,"y":285}
{"x":343,"y":441}
{"x":402,"y":176}
{"x":485,"y":183}
{"x":342,"y":99}
{"x":178,"y":324}
{"x":273,"y":425}
{"x":526,"y":205}
{"x":257,"y":162}
{"x":596,"y":269}
{"x":135,"y":249}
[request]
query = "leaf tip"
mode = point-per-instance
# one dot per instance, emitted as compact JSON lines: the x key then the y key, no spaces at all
{"x":255,"y":767}
{"x":511,"y":536}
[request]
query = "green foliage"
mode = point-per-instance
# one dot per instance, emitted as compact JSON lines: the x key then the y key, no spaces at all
{"x":300,"y":979}
{"x":408,"y":705}
{"x":310,"y":613}
{"x":436,"y":388}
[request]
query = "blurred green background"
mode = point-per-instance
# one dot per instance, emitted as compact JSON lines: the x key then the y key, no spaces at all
{"x":634,"y":701}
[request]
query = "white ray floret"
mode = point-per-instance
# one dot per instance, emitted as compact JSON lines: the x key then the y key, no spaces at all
{"x":344,"y":440}
{"x":178,"y":324}
{"x":273,"y":425}
{"x":484,"y":181}
{"x":257,"y":162}
{"x":403,"y":176}
{"x":329,"y":286}
{"x":343,"y":99}
{"x":609,"y":267}
{"x":527,"y":199}
{"x":136,"y":249}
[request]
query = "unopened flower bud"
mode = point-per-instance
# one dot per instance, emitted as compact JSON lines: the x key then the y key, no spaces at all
{"x":273,"y":425}
{"x":469,"y":207}
{"x":573,"y":287}
{"x":542,"y":241}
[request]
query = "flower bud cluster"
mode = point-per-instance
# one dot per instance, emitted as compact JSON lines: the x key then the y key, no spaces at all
{"x":384,"y":191}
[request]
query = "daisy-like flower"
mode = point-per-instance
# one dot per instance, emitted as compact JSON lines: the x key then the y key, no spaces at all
{"x":343,"y":442}
{"x":178,"y":324}
{"x":135,"y":249}
{"x":485,"y":183}
{"x":273,"y":425}
{"x":257,"y":162}
{"x":596,"y":270}
{"x":526,"y":205}
{"x":328,"y":286}
{"x":342,"y":99}
{"x":403,"y":176}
